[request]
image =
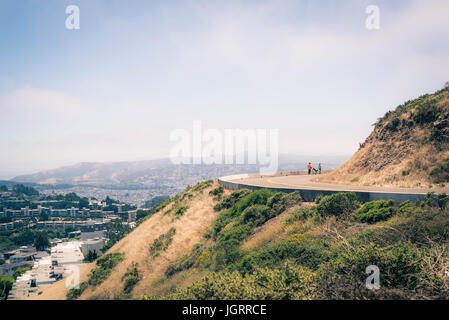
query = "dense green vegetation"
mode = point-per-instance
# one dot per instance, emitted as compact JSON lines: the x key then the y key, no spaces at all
{"x":19,"y":190}
{"x":91,"y":256}
{"x":13,"y":239}
{"x":131,"y":277}
{"x":324,"y":250}
{"x":375,"y":211}
{"x":77,"y":291}
{"x":41,"y":241}
{"x":105,"y":265}
{"x":5,"y":286}
{"x":20,"y":271}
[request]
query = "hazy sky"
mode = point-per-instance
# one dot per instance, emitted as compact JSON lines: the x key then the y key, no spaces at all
{"x":136,"y":70}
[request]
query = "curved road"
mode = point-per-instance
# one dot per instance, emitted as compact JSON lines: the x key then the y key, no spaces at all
{"x":304,"y":183}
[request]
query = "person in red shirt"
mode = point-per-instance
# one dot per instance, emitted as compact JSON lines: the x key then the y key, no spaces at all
{"x":309,"y":168}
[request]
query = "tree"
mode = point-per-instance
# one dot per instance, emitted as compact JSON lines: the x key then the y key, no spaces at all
{"x":3,"y":188}
{"x":5,"y":285}
{"x":116,"y":230}
{"x":20,"y":189}
{"x":91,"y":256}
{"x":43,"y":216}
{"x":446,"y":85}
{"x":41,"y":241}
{"x":443,"y":200}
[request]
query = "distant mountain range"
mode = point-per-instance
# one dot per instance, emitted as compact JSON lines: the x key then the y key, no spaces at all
{"x":141,"y":174}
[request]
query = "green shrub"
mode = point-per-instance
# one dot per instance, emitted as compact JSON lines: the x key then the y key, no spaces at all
{"x":337,"y":204}
{"x":131,"y":277}
{"x":406,"y":172}
{"x":255,"y":215}
{"x":76,"y":292}
{"x":230,"y":200}
{"x":240,"y":200}
{"x":260,"y":196}
{"x":217,"y":193}
{"x":292,"y":199}
{"x":200,"y":186}
{"x":185,"y":262}
{"x":283,"y":283}
{"x":440,"y":174}
{"x":375,"y":211}
{"x":300,"y":214}
{"x":5,"y":286}
{"x":426,"y":112}
{"x":298,"y":249}
{"x":105,"y":265}
{"x":344,"y":277}
{"x":161,"y":243}
{"x":393,"y":125}
{"x":20,"y":271}
{"x":181,"y":210}
{"x":227,"y":247}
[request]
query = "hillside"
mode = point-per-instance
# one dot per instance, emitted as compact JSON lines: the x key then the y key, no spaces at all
{"x":209,"y":243}
{"x":409,"y":147}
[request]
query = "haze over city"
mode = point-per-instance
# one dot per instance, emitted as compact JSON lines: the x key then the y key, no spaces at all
{"x":114,"y":89}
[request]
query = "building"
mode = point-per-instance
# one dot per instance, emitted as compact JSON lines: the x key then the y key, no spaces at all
{"x":94,"y":245}
{"x":67,"y":253}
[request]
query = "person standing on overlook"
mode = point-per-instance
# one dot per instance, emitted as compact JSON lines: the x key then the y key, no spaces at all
{"x":319,"y":168}
{"x":309,"y":168}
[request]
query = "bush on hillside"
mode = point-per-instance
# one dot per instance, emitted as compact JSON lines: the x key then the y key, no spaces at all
{"x":185,"y":262}
{"x":105,"y":265}
{"x":374,"y":211}
{"x":217,"y":193}
{"x":337,"y":204}
{"x":230,"y":200}
{"x":131,"y":277}
{"x":282,"y":283}
{"x":426,"y":112}
{"x":441,"y":173}
{"x":76,"y":292}
{"x":162,"y":242}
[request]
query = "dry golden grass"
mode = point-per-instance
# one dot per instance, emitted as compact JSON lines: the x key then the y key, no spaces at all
{"x":190,"y":228}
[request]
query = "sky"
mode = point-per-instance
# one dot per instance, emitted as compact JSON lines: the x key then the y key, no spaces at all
{"x":116,"y":88}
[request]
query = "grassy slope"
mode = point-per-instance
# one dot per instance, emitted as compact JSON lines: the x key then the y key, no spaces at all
{"x":326,"y":253}
{"x":401,"y":150}
{"x":327,"y":256}
{"x":190,"y":228}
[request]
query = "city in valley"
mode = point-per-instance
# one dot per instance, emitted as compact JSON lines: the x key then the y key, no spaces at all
{"x":44,"y":238}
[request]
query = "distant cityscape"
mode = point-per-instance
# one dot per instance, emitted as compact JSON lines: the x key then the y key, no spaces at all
{"x":44,"y":237}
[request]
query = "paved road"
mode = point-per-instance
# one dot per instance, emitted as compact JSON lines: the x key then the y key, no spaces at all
{"x":304,"y":182}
